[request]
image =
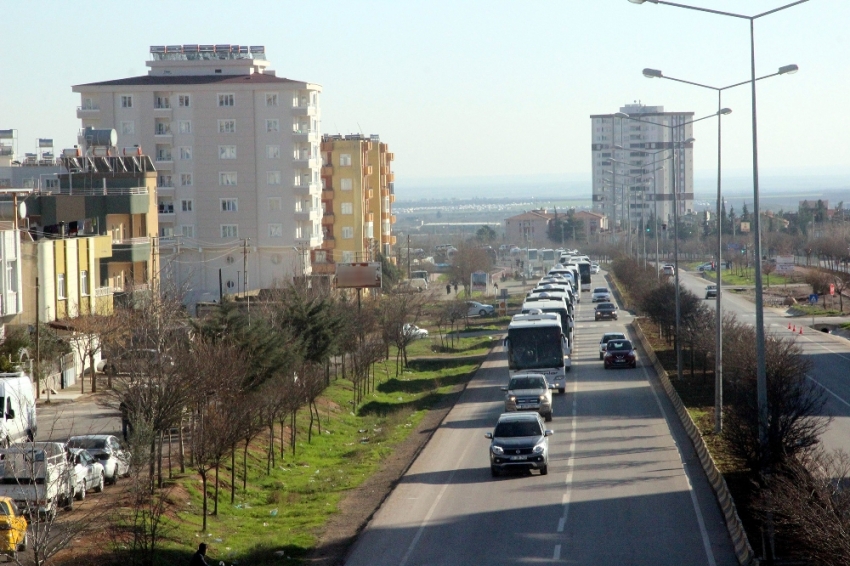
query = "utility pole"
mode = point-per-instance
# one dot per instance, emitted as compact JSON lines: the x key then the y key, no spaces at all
{"x":245,"y":275}
{"x":37,"y":342}
{"x":408,"y":256}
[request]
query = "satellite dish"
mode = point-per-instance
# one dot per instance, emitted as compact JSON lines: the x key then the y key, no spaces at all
{"x":22,"y":209}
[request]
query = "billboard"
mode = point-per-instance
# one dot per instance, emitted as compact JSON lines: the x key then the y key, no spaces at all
{"x":478,"y":281}
{"x":358,"y":275}
{"x":784,"y":263}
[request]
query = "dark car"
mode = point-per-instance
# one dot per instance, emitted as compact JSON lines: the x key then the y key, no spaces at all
{"x":519,"y":441}
{"x":605,"y":310}
{"x":710,"y":291}
{"x":620,"y":353}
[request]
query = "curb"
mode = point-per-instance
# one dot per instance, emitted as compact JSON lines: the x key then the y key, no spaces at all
{"x":743,"y":550}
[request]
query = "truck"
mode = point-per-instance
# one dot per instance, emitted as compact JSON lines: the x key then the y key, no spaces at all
{"x":37,"y":477}
{"x":584,"y":274}
{"x":536,"y":344}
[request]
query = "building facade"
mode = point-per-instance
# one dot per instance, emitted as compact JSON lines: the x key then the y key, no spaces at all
{"x":357,"y":197}
{"x":638,"y":184}
{"x":529,"y":229}
{"x":236,"y":150}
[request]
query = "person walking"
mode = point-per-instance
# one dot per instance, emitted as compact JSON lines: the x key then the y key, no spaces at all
{"x":198,"y":559}
{"x":455,"y":287}
{"x":448,"y":288}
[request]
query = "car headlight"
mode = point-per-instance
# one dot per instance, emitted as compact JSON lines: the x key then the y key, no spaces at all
{"x":512,"y":398}
{"x":542,"y":398}
{"x":497,"y":450}
{"x":566,"y":356}
{"x":539,"y":449}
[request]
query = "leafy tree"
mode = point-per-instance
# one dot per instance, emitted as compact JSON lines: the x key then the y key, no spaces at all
{"x":485,"y":234}
{"x":562,"y":228}
{"x":391,"y":274}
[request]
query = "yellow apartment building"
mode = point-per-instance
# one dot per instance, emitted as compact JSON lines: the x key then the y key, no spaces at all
{"x":357,"y":197}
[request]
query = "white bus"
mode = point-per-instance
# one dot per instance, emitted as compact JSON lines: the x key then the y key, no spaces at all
{"x":536,"y":343}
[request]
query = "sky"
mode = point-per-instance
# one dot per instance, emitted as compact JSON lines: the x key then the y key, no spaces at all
{"x":473,"y":91}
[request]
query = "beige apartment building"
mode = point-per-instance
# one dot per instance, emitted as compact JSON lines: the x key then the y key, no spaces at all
{"x":236,"y":149}
{"x":357,"y":197}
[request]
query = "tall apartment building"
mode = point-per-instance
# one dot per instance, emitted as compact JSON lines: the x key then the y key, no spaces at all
{"x":357,"y":197}
{"x":632,"y":187}
{"x":236,"y":149}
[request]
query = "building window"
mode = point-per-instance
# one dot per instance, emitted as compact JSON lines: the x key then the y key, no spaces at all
{"x":273,"y":125}
{"x":226,"y":126}
{"x":229,"y":231}
{"x":188,"y":230}
{"x":347,"y":232}
{"x":51,"y":183}
{"x":273,"y":151}
{"x":225,"y":100}
{"x":84,"y":283}
{"x":271,"y":99}
{"x":275,"y":230}
{"x":345,"y":184}
{"x":345,"y":159}
{"x":166,"y":232}
{"x":184,"y":126}
{"x":185,"y":153}
{"x":128,"y":128}
{"x":227,"y":178}
{"x":60,"y":285}
{"x":347,"y":257}
{"x":184,"y":101}
{"x":185,"y":179}
{"x":227,"y":152}
{"x":346,"y":208}
{"x":162,"y":102}
{"x":126,"y":101}
{"x":273,"y":177}
{"x":275,"y":204}
{"x":320,"y":256}
{"x":229,"y":205}
{"x":186,"y":205}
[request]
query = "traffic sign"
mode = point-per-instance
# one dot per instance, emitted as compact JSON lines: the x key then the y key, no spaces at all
{"x":832,"y":289}
{"x":813,"y":298}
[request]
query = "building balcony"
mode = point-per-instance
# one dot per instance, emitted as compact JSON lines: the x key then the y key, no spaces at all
{"x":327,"y":194}
{"x":390,"y":177}
{"x":327,"y":170}
{"x":384,"y":170}
{"x":165,"y":189}
{"x":328,"y":243}
{"x":305,"y":135}
{"x":392,"y":198}
{"x":367,"y":169}
{"x":308,"y":215}
{"x":88,"y":111}
{"x":306,"y":110}
{"x":161,"y":110}
{"x":392,"y":219}
{"x":324,"y":268}
{"x":328,"y":219}
{"x":390,"y":156}
{"x":369,"y":217}
{"x":131,"y":250}
{"x":305,"y":189}
{"x":164,"y":159}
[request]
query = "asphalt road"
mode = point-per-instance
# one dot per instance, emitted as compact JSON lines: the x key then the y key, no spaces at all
{"x":624,"y":486}
{"x":85,"y":416}
{"x":830,"y":355}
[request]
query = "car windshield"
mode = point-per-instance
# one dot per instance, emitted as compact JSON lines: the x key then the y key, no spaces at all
{"x":620,"y":345}
{"x":608,"y":337}
{"x":511,"y":429}
{"x":600,"y":290}
{"x":605,"y":306}
{"x":527,"y":383}
{"x":87,"y":443}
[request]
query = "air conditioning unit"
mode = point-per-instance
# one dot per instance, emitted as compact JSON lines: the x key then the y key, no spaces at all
{"x":229,"y":259}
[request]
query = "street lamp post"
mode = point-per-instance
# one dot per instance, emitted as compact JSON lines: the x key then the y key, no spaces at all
{"x":673,"y":144}
{"x":718,"y":358}
{"x":761,"y":371}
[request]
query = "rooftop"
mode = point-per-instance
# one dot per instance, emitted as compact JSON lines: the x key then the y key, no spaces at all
{"x":155,"y":80}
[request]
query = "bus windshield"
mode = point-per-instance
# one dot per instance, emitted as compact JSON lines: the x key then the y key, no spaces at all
{"x":534,"y":348}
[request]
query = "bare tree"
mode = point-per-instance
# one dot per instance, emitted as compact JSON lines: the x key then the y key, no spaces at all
{"x":467,"y":260}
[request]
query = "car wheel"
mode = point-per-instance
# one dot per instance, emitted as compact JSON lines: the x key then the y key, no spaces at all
{"x":482,"y":313}
{"x":30,"y":436}
{"x":494,"y":471}
{"x":605,"y":366}
{"x":601,"y":356}
{"x":548,"y":417}
{"x":24,"y":543}
{"x":544,"y":470}
{"x":81,"y":493}
{"x":99,"y":487}
{"x":69,"y":504}
{"x":634,"y":365}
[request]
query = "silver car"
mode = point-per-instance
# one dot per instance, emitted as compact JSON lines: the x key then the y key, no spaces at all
{"x":107,"y":450}
{"x":519,"y":441}
{"x":529,"y":392}
{"x":603,"y":342}
{"x":87,"y":473}
{"x":600,"y":295}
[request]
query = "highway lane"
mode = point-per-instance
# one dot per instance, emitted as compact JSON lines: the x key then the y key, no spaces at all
{"x":830,"y":355}
{"x":623,"y":487}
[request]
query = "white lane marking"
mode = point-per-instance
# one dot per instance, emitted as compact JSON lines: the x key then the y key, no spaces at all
{"x":827,"y":389}
{"x":568,"y":480}
{"x":706,"y":543}
{"x":419,"y":532}
{"x":557,"y":555}
{"x":839,"y":354}
{"x":561,"y":523}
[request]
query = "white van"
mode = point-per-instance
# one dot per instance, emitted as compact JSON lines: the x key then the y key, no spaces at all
{"x":17,"y":399}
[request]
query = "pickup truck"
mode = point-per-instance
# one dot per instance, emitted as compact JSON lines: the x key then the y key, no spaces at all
{"x":37,"y":477}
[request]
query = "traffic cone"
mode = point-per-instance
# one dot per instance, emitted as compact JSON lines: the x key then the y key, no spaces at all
{"x":794,"y":328}
{"x":801,"y":330}
{"x":789,"y":326}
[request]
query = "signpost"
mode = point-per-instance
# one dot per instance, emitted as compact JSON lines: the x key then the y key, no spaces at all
{"x":784,"y":264}
{"x":813,"y":299}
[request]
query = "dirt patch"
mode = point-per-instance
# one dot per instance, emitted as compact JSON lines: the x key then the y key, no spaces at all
{"x":358,"y":507}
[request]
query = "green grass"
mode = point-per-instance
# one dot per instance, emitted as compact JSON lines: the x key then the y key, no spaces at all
{"x":815,"y":310}
{"x":846,"y":325}
{"x":285,"y":510}
{"x":729,"y":277}
{"x":466,"y":346}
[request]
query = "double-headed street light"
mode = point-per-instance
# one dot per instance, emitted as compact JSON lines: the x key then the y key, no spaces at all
{"x":718,"y":358}
{"x":761,"y":369}
{"x":673,"y":143}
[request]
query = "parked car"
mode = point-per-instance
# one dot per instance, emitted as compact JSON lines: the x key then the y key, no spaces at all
{"x":529,"y":392}
{"x":87,"y":473}
{"x":600,"y":295}
{"x":107,"y":450}
{"x":519,"y":441}
{"x":605,"y":310}
{"x":476,"y":308}
{"x":594,"y":268}
{"x":710,"y":291}
{"x":414,"y":332}
{"x":669,"y":269}
{"x":608,"y":336}
{"x":708,"y":266}
{"x":37,"y":477}
{"x":620,"y":353}
{"x":14,"y":527}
